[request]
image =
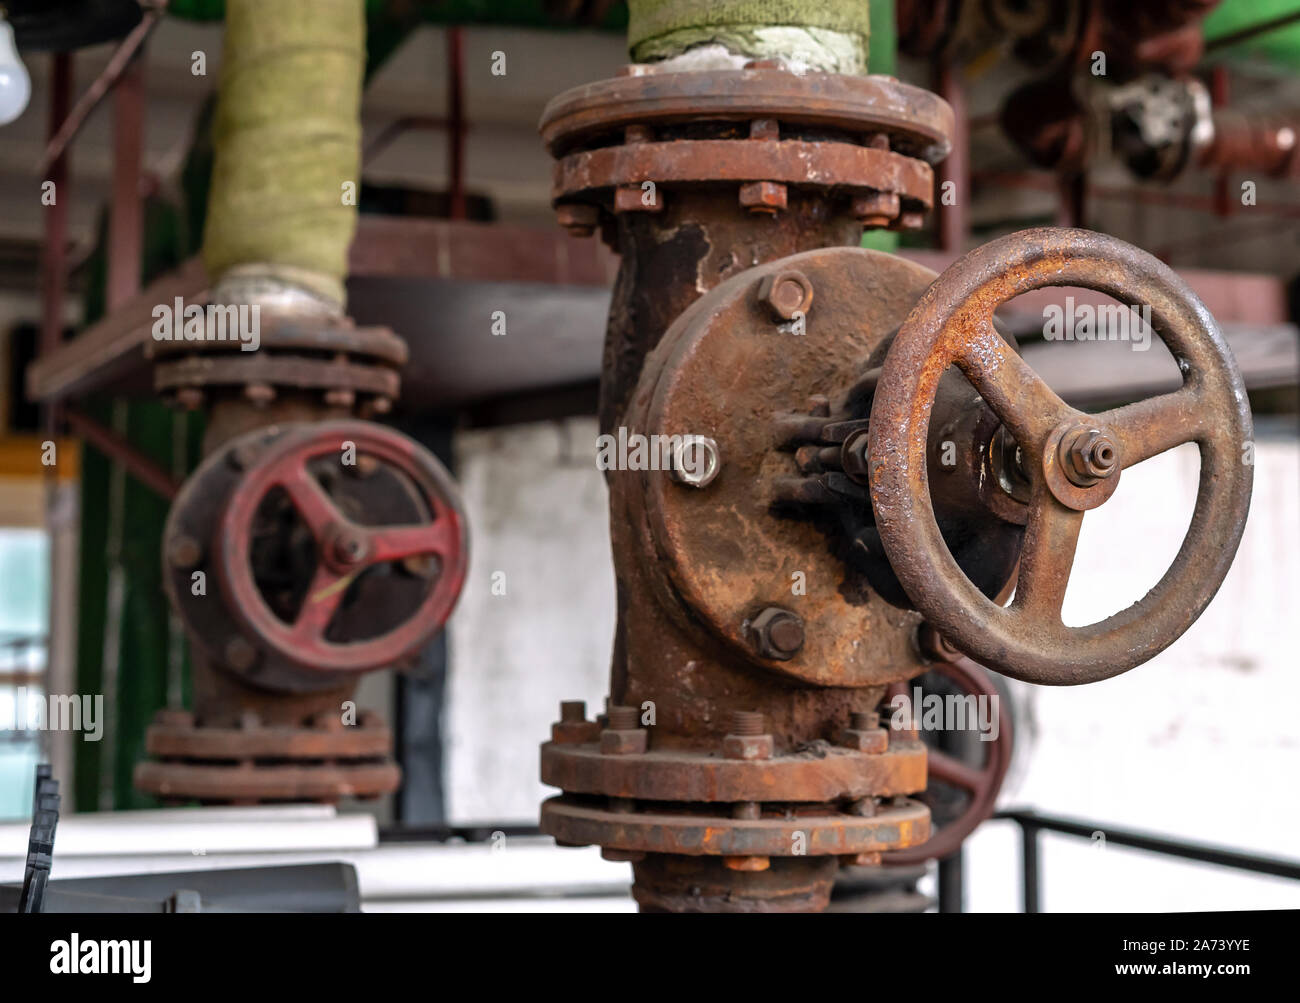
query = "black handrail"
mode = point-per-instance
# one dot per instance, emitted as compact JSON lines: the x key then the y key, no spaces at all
{"x":1032,"y":823}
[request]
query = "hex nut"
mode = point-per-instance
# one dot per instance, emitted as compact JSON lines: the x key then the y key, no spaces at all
{"x":695,"y":461}
{"x":628,"y":198}
{"x":1089,"y":456}
{"x":786,"y":294}
{"x":763,"y":196}
{"x":877,"y":209}
{"x":748,"y":746}
{"x":872,"y":741}
{"x":777,"y":633}
{"x":622,"y":743}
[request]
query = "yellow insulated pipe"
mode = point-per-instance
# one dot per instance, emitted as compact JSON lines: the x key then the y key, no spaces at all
{"x":829,"y":35}
{"x":287,"y":134}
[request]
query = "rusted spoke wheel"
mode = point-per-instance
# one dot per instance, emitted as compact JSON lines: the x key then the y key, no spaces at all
{"x":981,"y":784}
{"x":344,"y":548}
{"x":1072,"y":459}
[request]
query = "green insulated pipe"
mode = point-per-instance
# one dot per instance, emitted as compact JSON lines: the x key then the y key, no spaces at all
{"x":829,"y":35}
{"x":287,"y":134}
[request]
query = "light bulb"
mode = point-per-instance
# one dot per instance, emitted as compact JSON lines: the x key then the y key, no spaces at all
{"x":15,"y":84}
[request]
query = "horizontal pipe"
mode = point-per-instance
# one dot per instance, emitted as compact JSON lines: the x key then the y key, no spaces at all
{"x":82,"y":836}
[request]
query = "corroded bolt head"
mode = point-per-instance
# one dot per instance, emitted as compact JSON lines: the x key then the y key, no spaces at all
{"x":260,"y":394}
{"x":748,"y":746}
{"x":777,"y":633}
{"x":580,"y":220}
{"x":573,"y":711}
{"x":746,"y":863}
{"x":853,"y":455}
{"x":1089,"y":456}
{"x":876,"y":209}
{"x":349,"y":547}
{"x":786,"y":294}
{"x":872,"y":741}
{"x":623,"y":743}
{"x":763,"y":196}
{"x":240,"y":654}
{"x":633,"y":198}
{"x":695,"y":461}
{"x":184,"y":551}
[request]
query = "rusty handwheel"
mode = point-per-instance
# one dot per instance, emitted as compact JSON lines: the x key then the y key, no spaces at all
{"x":346,"y":546}
{"x":981,"y":784}
{"x":337,"y":547}
{"x":1072,"y":459}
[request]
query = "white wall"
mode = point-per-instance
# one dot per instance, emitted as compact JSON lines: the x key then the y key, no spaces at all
{"x":537,"y":510}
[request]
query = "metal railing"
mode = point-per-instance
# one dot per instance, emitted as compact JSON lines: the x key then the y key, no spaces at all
{"x":1032,"y":823}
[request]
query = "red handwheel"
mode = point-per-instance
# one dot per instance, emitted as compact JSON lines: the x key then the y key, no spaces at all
{"x":348,"y":545}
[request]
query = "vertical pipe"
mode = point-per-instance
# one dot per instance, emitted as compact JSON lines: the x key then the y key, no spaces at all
{"x":60,"y":646}
{"x":952,"y":883}
{"x":952,"y":195}
{"x":1029,"y":861}
{"x":54,"y":248}
{"x":456,"y":121}
{"x":126,"y":223}
{"x":1220,"y":97}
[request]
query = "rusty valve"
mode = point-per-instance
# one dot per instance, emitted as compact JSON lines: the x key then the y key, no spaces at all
{"x":1073,"y":460}
{"x":337,"y":547}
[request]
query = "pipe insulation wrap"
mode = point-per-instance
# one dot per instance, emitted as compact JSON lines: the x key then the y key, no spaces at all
{"x":830,"y":35}
{"x":287,"y":133}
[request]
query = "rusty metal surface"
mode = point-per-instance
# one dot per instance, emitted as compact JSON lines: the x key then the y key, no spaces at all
{"x":241,"y":784}
{"x":777,"y":833}
{"x":319,"y":759}
{"x":916,"y":121}
{"x":844,"y":166}
{"x":674,"y":884}
{"x":750,"y":695}
{"x":292,"y":332}
{"x":721,"y":555}
{"x":818,"y":771}
{"x":174,"y":735}
{"x":951,"y":325}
